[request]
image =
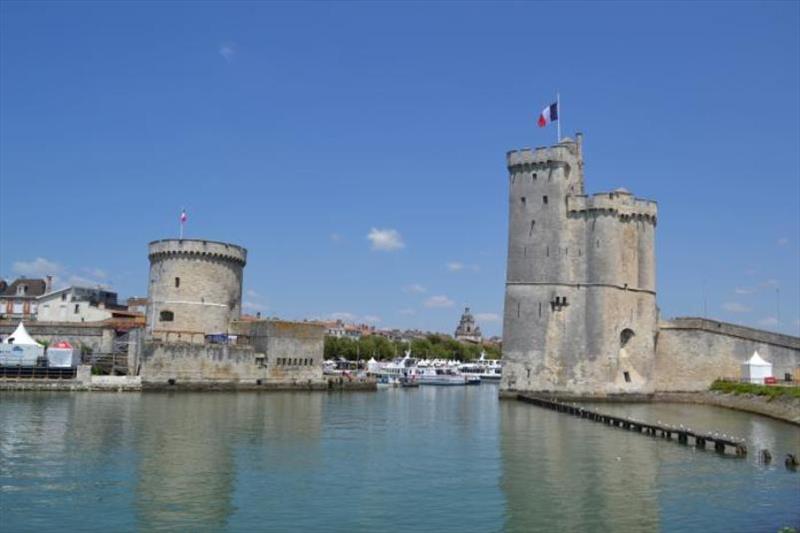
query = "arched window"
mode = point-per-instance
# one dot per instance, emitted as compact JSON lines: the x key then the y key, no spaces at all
{"x":166,"y":316}
{"x":625,"y":336}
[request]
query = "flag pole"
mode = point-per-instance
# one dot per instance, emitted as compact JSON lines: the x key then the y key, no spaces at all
{"x":558,"y":110}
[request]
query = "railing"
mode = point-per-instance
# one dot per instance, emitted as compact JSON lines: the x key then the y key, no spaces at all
{"x":107,"y":363}
{"x":36,"y":372}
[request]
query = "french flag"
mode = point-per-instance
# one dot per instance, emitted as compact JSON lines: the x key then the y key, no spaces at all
{"x":184,"y":217}
{"x":549,"y":114}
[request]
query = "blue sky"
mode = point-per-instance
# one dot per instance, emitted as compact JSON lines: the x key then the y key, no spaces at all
{"x":300,"y":130}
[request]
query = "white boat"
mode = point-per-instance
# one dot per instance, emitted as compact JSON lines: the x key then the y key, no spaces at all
{"x":485,"y":369}
{"x":442,"y":376}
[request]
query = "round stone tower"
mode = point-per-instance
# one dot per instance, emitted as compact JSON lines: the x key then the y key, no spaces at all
{"x":195,"y":286}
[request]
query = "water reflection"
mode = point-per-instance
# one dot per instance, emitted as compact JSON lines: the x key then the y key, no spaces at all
{"x":562,"y":474}
{"x":189,"y":443}
{"x":427,"y":459}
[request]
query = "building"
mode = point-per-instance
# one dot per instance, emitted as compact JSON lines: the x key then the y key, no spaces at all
{"x":195,"y":288}
{"x":18,"y":300}
{"x":196,"y":337}
{"x":342,"y":330}
{"x":137,"y":305}
{"x":580,"y":311}
{"x":79,"y":304}
{"x":467,"y":329}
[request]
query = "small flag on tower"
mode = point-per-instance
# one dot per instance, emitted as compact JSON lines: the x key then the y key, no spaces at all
{"x":184,"y":218}
{"x":548,"y":115}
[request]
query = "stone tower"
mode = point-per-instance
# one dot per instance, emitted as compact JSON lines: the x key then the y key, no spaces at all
{"x":580,"y":306}
{"x":467,"y":329}
{"x":195,"y":288}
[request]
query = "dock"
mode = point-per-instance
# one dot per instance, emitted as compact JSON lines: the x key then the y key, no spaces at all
{"x":722,"y":444}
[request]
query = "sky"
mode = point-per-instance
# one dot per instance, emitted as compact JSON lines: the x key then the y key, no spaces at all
{"x":357,"y":150}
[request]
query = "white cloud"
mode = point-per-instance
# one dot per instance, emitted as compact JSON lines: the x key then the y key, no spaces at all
{"x":385,"y":240}
{"x":252,"y":294}
{"x":770,"y":283}
{"x":414,"y":288}
{"x":253,"y":306}
{"x":38,"y":267}
{"x":407,"y":311}
{"x":81,"y":281}
{"x":97,"y":273}
{"x":370,"y":319}
{"x":768,"y":321}
{"x":487,"y":317}
{"x":783,"y":241}
{"x":227,"y":51}
{"x":735,"y":307}
{"x":344,"y":316}
{"x":335,"y":237}
{"x":458,"y":266}
{"x":439,"y":301}
{"x":744,"y":290}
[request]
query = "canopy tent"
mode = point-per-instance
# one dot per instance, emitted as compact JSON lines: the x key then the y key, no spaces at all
{"x":756,"y":369}
{"x":63,"y":355}
{"x":19,"y":349}
{"x":20,"y":337}
{"x":373,"y":366}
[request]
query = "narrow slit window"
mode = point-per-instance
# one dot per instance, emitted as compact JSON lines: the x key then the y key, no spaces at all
{"x":177,"y":282}
{"x":522,"y":199}
{"x":517,"y":309}
{"x":533,"y":225}
{"x":627,"y":376}
{"x":540,"y":309}
{"x":544,"y":200}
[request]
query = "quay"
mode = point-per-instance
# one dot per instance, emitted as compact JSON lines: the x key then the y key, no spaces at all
{"x":682,"y":436}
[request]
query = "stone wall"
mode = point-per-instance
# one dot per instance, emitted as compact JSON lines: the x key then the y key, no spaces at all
{"x":98,"y":337}
{"x":268,"y":353}
{"x":692,"y":352}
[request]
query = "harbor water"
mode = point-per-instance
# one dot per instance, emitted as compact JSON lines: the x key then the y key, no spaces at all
{"x":425,"y":459}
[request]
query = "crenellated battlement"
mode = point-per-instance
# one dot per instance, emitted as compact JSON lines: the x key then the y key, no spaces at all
{"x":619,"y":202}
{"x":197,"y":247}
{"x":567,"y":153}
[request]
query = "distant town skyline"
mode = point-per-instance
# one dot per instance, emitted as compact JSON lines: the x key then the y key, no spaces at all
{"x":358,"y":150}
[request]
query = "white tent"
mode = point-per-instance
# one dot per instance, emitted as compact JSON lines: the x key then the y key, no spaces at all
{"x":756,"y":369}
{"x":373,"y":367}
{"x":20,"y":337}
{"x":19,"y":349}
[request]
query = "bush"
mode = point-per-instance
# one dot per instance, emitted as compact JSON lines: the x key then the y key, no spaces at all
{"x":773,"y":391}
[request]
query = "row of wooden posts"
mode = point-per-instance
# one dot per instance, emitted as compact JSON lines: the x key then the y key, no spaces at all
{"x":721,"y":443}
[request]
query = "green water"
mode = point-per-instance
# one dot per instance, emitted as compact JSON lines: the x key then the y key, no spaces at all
{"x":427,"y":459}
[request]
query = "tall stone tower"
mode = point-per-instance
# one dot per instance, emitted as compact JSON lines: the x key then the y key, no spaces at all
{"x":195,"y":287}
{"x":580,"y":307}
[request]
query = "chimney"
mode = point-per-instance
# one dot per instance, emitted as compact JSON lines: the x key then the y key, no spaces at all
{"x":48,"y":287}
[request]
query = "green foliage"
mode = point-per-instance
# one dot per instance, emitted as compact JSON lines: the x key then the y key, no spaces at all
{"x":772,"y":391}
{"x":381,"y":348}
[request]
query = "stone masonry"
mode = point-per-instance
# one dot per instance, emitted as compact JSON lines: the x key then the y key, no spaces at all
{"x":195,"y":288}
{"x":580,"y":307}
